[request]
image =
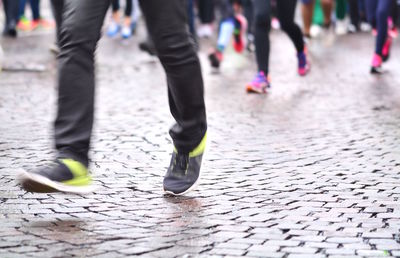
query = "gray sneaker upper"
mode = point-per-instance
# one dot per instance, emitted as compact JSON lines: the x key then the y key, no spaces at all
{"x":182,"y":173}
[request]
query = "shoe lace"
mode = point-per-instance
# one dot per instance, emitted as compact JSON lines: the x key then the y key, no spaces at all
{"x":259,"y":78}
{"x":182,"y":161}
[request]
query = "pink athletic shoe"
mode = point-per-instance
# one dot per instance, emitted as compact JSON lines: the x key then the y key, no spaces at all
{"x":304,"y":65}
{"x":376,"y":67}
{"x":259,"y":84}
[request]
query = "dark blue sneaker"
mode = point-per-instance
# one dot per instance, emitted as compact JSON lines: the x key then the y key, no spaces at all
{"x":304,"y":65}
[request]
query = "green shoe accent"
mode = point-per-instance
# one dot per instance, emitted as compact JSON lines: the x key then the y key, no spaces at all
{"x":24,"y":19}
{"x":200,"y":148}
{"x":79,"y":172}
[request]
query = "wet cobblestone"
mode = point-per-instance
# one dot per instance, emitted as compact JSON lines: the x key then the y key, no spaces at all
{"x":309,"y":170}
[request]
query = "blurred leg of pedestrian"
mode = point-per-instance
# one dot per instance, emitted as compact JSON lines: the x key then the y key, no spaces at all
{"x":36,"y":22}
{"x":80,"y":32}
{"x":327,"y":8}
{"x":23,"y":22}
{"x":307,"y":11}
{"x":115,"y":25}
{"x":364,"y":23}
{"x":393,"y":17}
{"x":168,"y":28}
{"x":191,"y":16}
{"x":248,"y":10}
{"x":191,"y":21}
{"x":340,"y":24}
{"x":378,"y":13}
{"x":35,"y":6}
{"x":207,"y":17}
{"x":397,"y":21}
{"x":262,"y":26}
{"x":286,"y":10}
{"x":36,"y":19}
{"x":57,"y":9}
{"x":135,"y":16}
{"x":21,"y":9}
{"x":11,"y":8}
{"x":126,"y":31}
{"x":226,"y":29}
{"x":354,"y":16}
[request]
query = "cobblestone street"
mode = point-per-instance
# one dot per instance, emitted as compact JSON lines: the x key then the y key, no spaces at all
{"x":311,"y":169}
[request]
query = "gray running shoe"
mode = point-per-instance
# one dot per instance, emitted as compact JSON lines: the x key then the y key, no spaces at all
{"x":184,"y":171}
{"x":63,"y":175}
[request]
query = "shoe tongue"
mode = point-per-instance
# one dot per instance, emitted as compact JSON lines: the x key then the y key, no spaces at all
{"x":182,"y":160}
{"x":56,"y":171}
{"x":260,"y":77}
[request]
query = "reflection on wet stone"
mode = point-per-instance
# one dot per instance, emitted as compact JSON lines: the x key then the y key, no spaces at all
{"x":309,"y":170}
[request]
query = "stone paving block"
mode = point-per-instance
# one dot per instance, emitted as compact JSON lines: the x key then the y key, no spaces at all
{"x":357,"y":246}
{"x":250,"y":241}
{"x":108,"y":254}
{"x":340,"y":251}
{"x":300,"y":250}
{"x":374,"y":253}
{"x":382,"y":241}
{"x":227,"y":251}
{"x":267,"y":255}
{"x":141,"y":250}
{"x":343,"y":240}
{"x":306,"y":256}
{"x":295,"y":232}
{"x":268,"y":236}
{"x":309,"y":170}
{"x":285,"y":243}
{"x":388,"y":247}
{"x":309,"y":238}
{"x":288,"y":226}
{"x":321,"y":245}
{"x":263,"y":248}
{"x":377,"y":235}
{"x":15,"y":255}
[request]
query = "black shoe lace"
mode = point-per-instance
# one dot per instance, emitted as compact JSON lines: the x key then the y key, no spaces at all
{"x":182,"y":161}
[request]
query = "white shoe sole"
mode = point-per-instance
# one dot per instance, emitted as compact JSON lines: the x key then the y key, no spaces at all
{"x":38,"y":183}
{"x":193,"y":187}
